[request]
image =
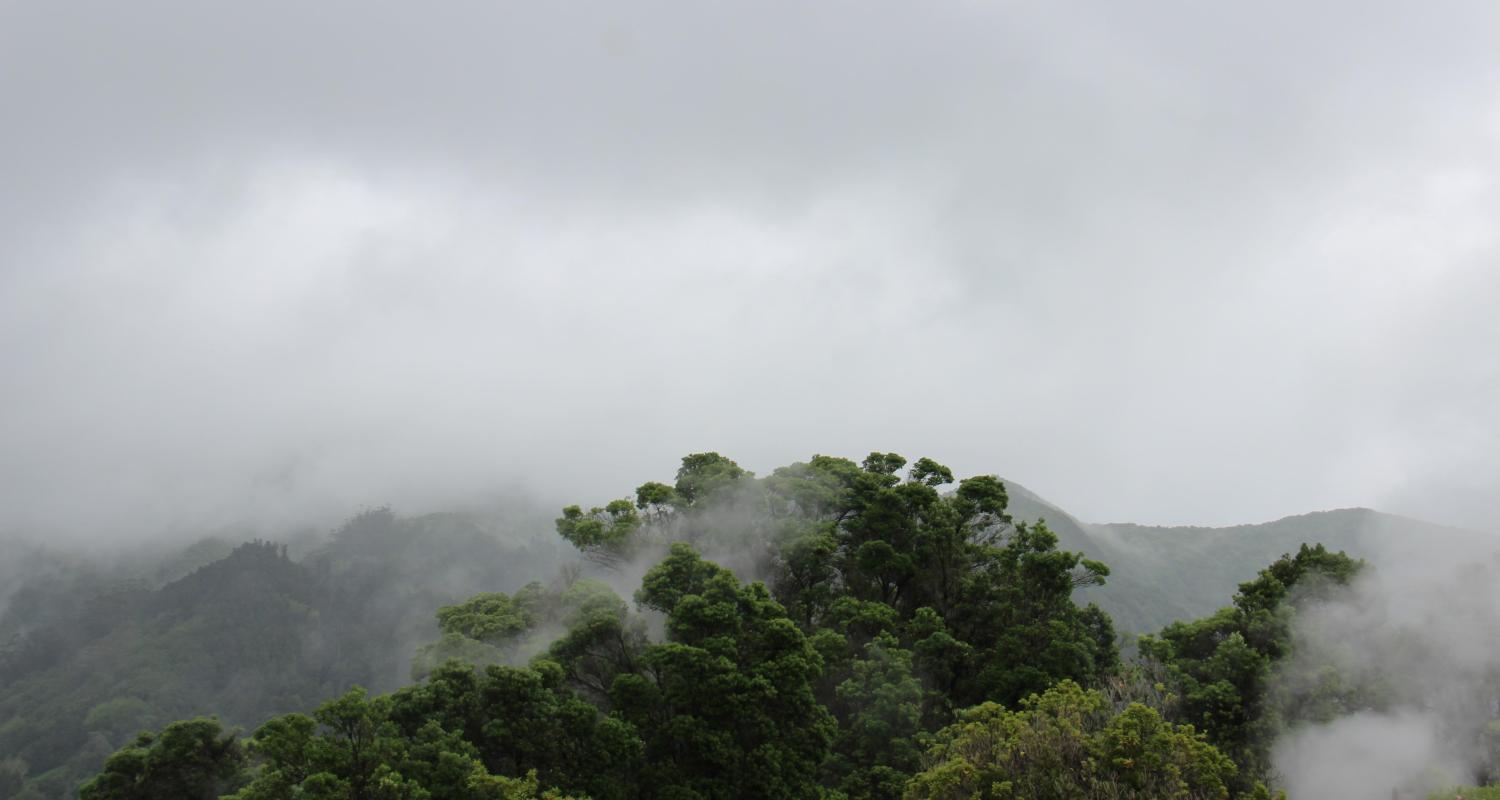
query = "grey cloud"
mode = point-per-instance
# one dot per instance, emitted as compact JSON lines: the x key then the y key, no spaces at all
{"x":1178,"y":264}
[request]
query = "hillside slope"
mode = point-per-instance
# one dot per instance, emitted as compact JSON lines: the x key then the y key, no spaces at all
{"x":88,"y":657}
{"x":1161,"y":574}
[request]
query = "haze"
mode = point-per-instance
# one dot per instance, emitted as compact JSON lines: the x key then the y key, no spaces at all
{"x":1167,"y":263}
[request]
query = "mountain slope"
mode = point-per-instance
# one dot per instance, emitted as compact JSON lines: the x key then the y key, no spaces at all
{"x":89,"y":658}
{"x":1160,"y":574}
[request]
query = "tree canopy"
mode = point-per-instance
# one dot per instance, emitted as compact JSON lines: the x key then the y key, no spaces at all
{"x":833,"y":630}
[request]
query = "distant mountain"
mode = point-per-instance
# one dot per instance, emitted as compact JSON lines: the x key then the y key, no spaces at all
{"x":1162,"y":574}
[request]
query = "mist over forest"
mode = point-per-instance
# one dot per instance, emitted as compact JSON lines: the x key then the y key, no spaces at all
{"x":840,"y":401}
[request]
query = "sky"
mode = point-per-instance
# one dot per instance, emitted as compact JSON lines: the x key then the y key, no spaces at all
{"x":1160,"y":262}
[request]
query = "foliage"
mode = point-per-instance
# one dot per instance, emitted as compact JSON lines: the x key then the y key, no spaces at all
{"x":481,"y":629}
{"x":726,"y":705}
{"x":1468,"y":793}
{"x":585,"y":627}
{"x":1221,"y":664}
{"x":865,"y":631}
{"x":525,"y":720}
{"x":830,"y":532}
{"x":349,"y":749}
{"x":966,"y":605}
{"x":91,"y":655}
{"x":192,"y":759}
{"x":876,"y":748}
{"x":1065,"y":743}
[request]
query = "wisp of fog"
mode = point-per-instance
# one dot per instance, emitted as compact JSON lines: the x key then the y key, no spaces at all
{"x":1415,"y":641}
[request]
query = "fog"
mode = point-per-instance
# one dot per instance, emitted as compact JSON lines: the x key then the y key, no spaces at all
{"x":269,"y":264}
{"x":1414,"y":646}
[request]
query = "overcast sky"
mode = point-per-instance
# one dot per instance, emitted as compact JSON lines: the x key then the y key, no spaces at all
{"x":1175,"y":262}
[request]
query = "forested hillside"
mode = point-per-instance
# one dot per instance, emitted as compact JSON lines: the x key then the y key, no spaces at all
{"x":834,"y":629}
{"x":1162,"y":574}
{"x":93,"y":654}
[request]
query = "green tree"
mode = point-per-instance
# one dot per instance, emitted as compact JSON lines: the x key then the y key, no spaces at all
{"x":606,"y":535}
{"x":524,"y":720}
{"x":1017,"y":612}
{"x":1220,"y":665}
{"x":1064,"y":744}
{"x":346,"y":750}
{"x":191,"y":759}
{"x":880,"y":704}
{"x":600,"y":637}
{"x":602,"y":640}
{"x":725,"y":706}
{"x":352,"y":749}
{"x":971,"y":605}
{"x":837,"y":531}
{"x":704,"y":476}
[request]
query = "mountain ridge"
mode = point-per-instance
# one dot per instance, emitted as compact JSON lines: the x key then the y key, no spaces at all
{"x":1164,"y":573}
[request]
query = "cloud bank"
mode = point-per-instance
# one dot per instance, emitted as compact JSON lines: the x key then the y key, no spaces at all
{"x":1176,"y":264}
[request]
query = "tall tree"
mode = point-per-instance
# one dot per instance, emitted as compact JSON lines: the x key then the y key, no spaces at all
{"x":725,"y":705}
{"x":193,"y":759}
{"x":1221,"y":664}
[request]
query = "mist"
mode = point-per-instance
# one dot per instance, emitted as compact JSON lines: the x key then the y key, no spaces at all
{"x":265,"y":267}
{"x":1404,"y":665}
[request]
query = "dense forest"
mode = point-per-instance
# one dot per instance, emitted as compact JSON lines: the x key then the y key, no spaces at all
{"x":835,"y":629}
{"x":92,"y":653}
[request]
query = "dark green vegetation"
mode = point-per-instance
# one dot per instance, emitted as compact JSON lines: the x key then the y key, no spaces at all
{"x":1221,"y":664}
{"x":90,"y":656}
{"x":832,"y":630}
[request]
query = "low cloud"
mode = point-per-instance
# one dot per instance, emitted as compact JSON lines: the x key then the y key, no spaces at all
{"x":421,"y":254}
{"x":1406,"y":664}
